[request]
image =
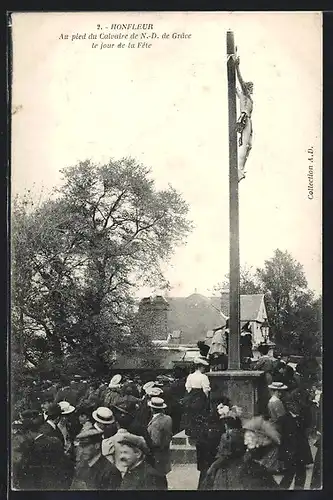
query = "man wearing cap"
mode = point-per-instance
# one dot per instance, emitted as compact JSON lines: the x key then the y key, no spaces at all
{"x":93,"y":471}
{"x":160,"y":431}
{"x":275,"y":406}
{"x":139,"y":474}
{"x":125,"y":420}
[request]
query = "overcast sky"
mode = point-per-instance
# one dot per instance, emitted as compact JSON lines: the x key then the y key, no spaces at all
{"x":167,"y":107}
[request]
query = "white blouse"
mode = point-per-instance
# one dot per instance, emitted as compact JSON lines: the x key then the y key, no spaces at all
{"x":197,"y":380}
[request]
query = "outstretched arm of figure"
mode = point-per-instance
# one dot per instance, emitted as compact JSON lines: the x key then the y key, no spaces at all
{"x":240,"y":78}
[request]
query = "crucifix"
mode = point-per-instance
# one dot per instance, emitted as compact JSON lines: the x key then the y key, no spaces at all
{"x":234,"y":299}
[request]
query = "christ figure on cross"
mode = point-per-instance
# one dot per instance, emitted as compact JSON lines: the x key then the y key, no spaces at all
{"x":244,"y":122}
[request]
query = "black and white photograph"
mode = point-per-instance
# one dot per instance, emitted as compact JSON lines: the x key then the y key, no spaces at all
{"x":165,"y":251}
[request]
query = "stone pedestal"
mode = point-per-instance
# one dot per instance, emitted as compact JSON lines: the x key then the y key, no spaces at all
{"x":244,"y":388}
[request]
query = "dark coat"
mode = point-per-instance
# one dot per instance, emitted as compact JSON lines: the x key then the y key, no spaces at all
{"x":102,"y":475}
{"x":237,"y":471}
{"x":246,"y":346}
{"x":47,"y":430}
{"x":48,"y":464}
{"x":254,"y":476}
{"x":173,"y":396}
{"x":294,"y":447}
{"x":196,"y":412}
{"x":143,"y":477}
{"x":208,"y":442}
{"x":228,"y":476}
{"x":160,"y":431}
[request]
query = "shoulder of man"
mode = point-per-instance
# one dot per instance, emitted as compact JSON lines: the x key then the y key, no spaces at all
{"x":107,"y":466}
{"x":149,"y":470}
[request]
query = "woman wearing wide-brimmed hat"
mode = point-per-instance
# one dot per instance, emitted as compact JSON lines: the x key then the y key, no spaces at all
{"x":113,"y":392}
{"x":243,"y":458}
{"x":259,"y":464}
{"x":223,"y":469}
{"x":275,"y":405}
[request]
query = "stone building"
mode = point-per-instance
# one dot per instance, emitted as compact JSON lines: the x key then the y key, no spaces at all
{"x":185,"y":320}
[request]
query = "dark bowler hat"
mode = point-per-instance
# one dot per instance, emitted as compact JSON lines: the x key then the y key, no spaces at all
{"x":30,"y":414}
{"x":54,"y":410}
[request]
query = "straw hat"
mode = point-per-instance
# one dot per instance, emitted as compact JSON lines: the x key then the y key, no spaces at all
{"x":154,"y":391}
{"x":103,"y":415}
{"x":157,"y":403}
{"x":277,"y":386}
{"x":115,"y":381}
{"x":66,"y":407}
{"x":148,"y":385}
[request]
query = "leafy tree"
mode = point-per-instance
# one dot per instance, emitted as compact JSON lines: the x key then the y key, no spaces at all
{"x":78,"y":257}
{"x":306,"y":336}
{"x":248,"y":283}
{"x":283,"y":280}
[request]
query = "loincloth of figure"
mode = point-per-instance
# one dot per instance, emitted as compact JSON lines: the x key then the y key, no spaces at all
{"x":240,"y":126}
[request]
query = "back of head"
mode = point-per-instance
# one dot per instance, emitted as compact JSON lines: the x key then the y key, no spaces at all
{"x":53,"y":411}
{"x":263,"y":349}
{"x":85,"y":409}
{"x":31,"y":420}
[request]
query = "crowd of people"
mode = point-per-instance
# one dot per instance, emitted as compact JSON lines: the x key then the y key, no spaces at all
{"x":88,"y":435}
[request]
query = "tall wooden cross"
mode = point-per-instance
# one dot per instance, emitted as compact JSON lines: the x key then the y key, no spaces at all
{"x":234,"y":300}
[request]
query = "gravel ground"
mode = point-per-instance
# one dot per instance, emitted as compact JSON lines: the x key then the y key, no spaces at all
{"x":186,"y":477}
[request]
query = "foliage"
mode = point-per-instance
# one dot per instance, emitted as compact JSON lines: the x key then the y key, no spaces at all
{"x":294,"y":314}
{"x":284,"y":282}
{"x":248,"y":283}
{"x":78,"y":257}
